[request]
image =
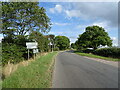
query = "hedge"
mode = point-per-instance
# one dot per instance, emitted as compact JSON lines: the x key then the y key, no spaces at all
{"x":113,"y":52}
{"x":13,"y":53}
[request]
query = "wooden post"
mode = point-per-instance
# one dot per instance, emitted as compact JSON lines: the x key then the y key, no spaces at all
{"x":28,"y":54}
{"x":34,"y":56}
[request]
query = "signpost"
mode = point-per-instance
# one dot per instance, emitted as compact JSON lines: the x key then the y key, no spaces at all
{"x":35,"y":50}
{"x":32,"y":45}
{"x":51,"y":46}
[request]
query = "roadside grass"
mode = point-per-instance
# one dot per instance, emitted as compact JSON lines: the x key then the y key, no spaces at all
{"x":96,"y":56}
{"x":37,"y":74}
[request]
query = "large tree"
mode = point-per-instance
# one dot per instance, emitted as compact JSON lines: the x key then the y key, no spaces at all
{"x":21,"y":18}
{"x":93,"y":37}
{"x":62,"y":42}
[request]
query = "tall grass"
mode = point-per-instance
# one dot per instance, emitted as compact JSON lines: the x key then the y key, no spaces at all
{"x":36,"y":75}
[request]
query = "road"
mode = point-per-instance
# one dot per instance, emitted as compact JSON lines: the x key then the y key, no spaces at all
{"x":75,"y":71}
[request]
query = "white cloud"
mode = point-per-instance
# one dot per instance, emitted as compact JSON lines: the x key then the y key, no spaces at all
{"x":94,"y":11}
{"x":52,"y":32}
{"x":57,"y":8}
{"x":73,"y":13}
{"x":72,"y":39}
{"x":57,"y":33}
{"x":115,"y":41}
{"x":113,"y":38}
{"x":61,"y":24}
{"x":101,"y":24}
{"x":52,"y":10}
{"x":82,"y":26}
{"x":90,"y":11}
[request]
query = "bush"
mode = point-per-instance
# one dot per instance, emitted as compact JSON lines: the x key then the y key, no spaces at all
{"x":108,"y":52}
{"x":12,"y":53}
{"x":56,"y":49}
{"x":87,"y":51}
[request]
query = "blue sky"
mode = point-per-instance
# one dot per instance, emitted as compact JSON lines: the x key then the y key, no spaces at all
{"x":71,"y":18}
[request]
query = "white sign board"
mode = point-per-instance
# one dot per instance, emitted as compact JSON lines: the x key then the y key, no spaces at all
{"x":35,"y":50}
{"x":31,"y":45}
{"x":50,"y":43}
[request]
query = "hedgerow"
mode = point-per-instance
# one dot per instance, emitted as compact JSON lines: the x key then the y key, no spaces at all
{"x":12,"y":53}
{"x":113,"y":52}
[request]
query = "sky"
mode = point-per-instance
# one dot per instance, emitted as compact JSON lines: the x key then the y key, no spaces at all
{"x":71,"y":18}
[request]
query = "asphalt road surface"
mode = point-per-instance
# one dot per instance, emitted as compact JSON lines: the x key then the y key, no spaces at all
{"x":75,"y":71}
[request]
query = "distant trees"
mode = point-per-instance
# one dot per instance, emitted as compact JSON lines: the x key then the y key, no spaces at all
{"x":52,"y":41}
{"x":73,"y":45}
{"x":93,"y":37}
{"x":62,"y":42}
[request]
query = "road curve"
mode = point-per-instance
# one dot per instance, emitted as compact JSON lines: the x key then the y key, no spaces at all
{"x":74,"y":71}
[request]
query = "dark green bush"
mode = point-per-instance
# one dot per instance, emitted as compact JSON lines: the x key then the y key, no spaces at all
{"x":56,"y":49}
{"x":108,"y":52}
{"x":12,"y":53}
{"x":87,"y":50}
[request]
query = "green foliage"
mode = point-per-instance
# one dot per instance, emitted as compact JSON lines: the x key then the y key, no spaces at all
{"x":88,"y":51}
{"x":93,"y":37}
{"x":108,"y":52}
{"x":62,"y":42}
{"x":56,"y":49}
{"x":12,"y":53}
{"x":22,"y":17}
{"x":41,"y":39}
{"x":77,"y":46}
{"x":51,"y":37}
{"x":73,"y":45}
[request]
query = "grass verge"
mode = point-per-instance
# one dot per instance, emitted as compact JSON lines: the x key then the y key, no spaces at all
{"x":96,"y":56}
{"x":37,"y":74}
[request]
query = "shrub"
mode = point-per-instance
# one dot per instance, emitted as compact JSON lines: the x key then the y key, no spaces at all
{"x":108,"y":52}
{"x":56,"y":49}
{"x":12,"y":53}
{"x":87,"y":50}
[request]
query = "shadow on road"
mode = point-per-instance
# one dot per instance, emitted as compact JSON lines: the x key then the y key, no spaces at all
{"x":70,"y":51}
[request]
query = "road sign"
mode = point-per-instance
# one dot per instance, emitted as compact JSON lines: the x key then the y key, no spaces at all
{"x":31,"y":45}
{"x":35,"y":50}
{"x":50,"y":43}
